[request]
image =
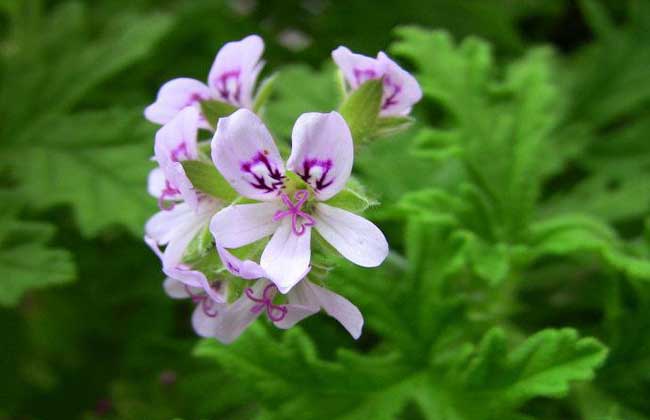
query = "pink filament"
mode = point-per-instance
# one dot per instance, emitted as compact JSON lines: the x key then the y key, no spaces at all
{"x":208,"y":306}
{"x":169,"y":191}
{"x":266,"y":302}
{"x":294,"y":210}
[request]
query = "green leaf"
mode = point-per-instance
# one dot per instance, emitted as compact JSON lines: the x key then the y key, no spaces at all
{"x":351,"y":200}
{"x":26,"y":261}
{"x":213,"y":110}
{"x":361,"y":109}
{"x":95,"y":161}
{"x":205,"y":177}
{"x":543,"y":365}
{"x":264,"y":92}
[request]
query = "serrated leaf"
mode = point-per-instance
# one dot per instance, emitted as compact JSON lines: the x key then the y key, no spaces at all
{"x":205,"y":177}
{"x":361,"y":109}
{"x":26,"y":261}
{"x":95,"y":161}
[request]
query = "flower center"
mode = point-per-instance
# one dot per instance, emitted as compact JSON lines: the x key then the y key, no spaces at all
{"x":299,"y":227}
{"x":275,"y":313}
{"x":229,"y":86}
{"x":265,"y":176}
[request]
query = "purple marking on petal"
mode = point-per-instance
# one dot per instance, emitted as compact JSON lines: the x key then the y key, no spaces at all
{"x":169,"y":191}
{"x":294,"y":210}
{"x":266,"y":301}
{"x":229,"y":86}
{"x":266,"y":176}
{"x":363,"y":75}
{"x":195,"y":98}
{"x":232,"y":267}
{"x":321,"y":169}
{"x":180,"y":152}
{"x":391,"y":98}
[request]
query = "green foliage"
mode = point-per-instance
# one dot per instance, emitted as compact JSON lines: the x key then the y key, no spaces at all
{"x":205,"y":177}
{"x":26,"y":262}
{"x":361,"y":109}
{"x":515,"y":201}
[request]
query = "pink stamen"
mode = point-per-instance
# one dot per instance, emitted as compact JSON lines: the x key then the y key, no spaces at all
{"x":294,"y":210}
{"x":208,"y":306}
{"x":266,"y":301}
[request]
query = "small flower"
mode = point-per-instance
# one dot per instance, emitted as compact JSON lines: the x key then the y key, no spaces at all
{"x":401,"y":90}
{"x":322,"y":154}
{"x":304,"y":300}
{"x":175,"y":142}
{"x":231,"y":80}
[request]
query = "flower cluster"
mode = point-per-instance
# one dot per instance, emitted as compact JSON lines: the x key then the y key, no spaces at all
{"x":230,"y":202}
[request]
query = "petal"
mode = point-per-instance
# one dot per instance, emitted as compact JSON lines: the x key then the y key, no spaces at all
{"x":246,"y":155}
{"x":151,"y":243}
{"x":177,"y":138}
{"x":322,"y":152}
{"x":238,"y":316}
{"x":241,"y":224}
{"x":295,"y":314}
{"x":177,"y":227}
{"x":235,"y":70}
{"x":356,"y":238}
{"x":247,"y":269}
{"x":335,"y":306}
{"x":174,"y":96}
{"x":156,"y":182}
{"x":194,"y":279}
{"x":175,"y":289}
{"x":205,"y":323}
{"x":356,"y":68}
{"x":286,"y":257}
{"x":401,"y":89}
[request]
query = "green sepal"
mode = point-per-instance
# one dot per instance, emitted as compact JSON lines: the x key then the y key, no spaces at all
{"x":213,"y":110}
{"x":387,"y":126}
{"x":351,"y":200}
{"x":293,"y":182}
{"x":264,"y":92}
{"x":205,"y":178}
{"x":361,"y":109}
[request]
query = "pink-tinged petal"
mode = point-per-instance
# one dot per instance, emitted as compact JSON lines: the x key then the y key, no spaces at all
{"x":356,"y":68}
{"x":246,"y":155}
{"x":151,"y":243}
{"x":207,"y":316}
{"x":286,"y":257}
{"x":241,"y":224}
{"x":246,"y":269}
{"x":235,"y":69}
{"x":298,"y":308}
{"x":238,"y":316}
{"x":176,"y":95}
{"x":334,"y":305}
{"x":401,"y":89}
{"x":175,"y":289}
{"x":322,"y":152}
{"x":156,"y":182}
{"x":356,"y":238}
{"x":178,"y":137}
{"x":177,"y":227}
{"x":195,"y":279}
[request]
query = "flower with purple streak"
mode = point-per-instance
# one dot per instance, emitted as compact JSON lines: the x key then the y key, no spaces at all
{"x":401,"y":90}
{"x":231,"y":80}
{"x":322,"y":156}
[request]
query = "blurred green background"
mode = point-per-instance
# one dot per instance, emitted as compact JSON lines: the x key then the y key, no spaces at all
{"x":519,"y":201}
